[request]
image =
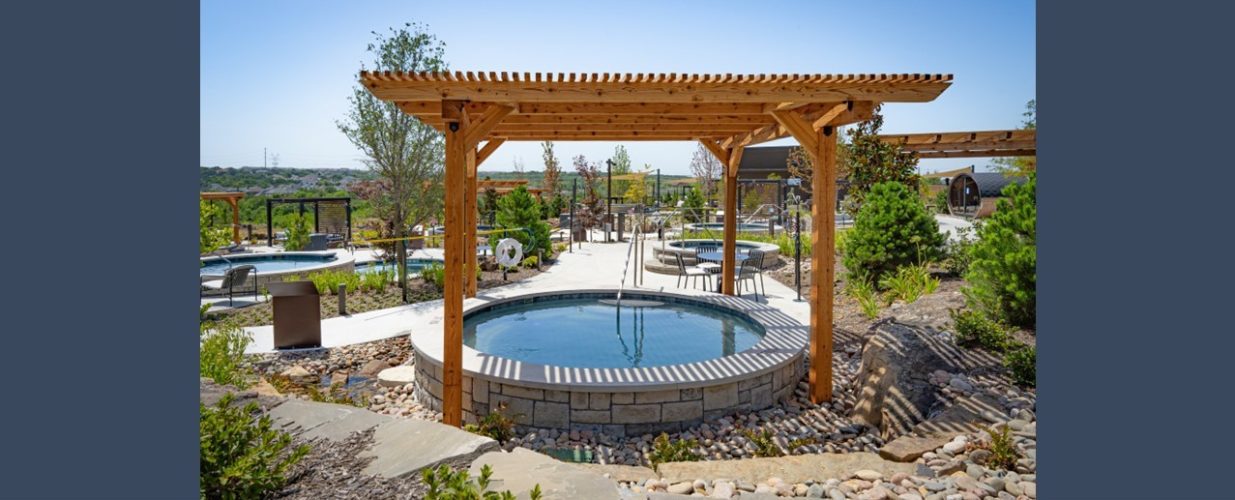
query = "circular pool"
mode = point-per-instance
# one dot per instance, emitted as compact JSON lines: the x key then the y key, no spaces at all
{"x":577,"y":360}
{"x":742,"y":228}
{"x":414,"y":266}
{"x":278,"y":265}
{"x":664,"y":261}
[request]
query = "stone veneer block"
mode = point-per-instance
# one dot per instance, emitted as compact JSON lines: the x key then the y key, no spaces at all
{"x":657,"y":396}
{"x":600,"y":401}
{"x":743,"y":397}
{"x":518,"y":409}
{"x":480,"y":392}
{"x":551,"y":414}
{"x":557,"y":396}
{"x":633,"y":414}
{"x":720,"y":397}
{"x":681,"y":411}
{"x":761,"y":396}
{"x":623,"y":398}
{"x":589,"y":416}
{"x":578,"y":400}
{"x":523,"y":392}
{"x":689,"y":394}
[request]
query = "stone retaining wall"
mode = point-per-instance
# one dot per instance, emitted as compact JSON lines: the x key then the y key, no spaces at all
{"x":615,"y":412}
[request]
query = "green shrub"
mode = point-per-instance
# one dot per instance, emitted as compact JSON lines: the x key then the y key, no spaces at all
{"x":764,"y":445}
{"x":327,"y":282}
{"x":692,"y":206}
{"x":941,"y":201}
{"x":664,"y":450}
{"x":519,"y":209}
{"x":221,"y":357}
{"x":909,"y":283}
{"x":377,"y":280}
{"x":864,"y":292}
{"x":495,"y":425}
{"x":1002,"y":448}
{"x":958,"y":252}
{"x":297,"y":233}
{"x":975,"y":329}
{"x":1002,"y":276}
{"x":201,"y":311}
{"x":841,"y":240}
{"x":447,"y":484}
{"x":434,"y":273}
{"x":212,"y":238}
{"x":892,"y":229}
{"x":1022,"y":362}
{"x":242,"y":456}
{"x":530,"y":261}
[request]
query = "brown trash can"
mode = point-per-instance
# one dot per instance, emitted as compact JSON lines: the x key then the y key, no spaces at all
{"x":297,"y":314}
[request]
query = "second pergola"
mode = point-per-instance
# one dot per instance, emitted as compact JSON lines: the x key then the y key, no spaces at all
{"x":479,"y":111}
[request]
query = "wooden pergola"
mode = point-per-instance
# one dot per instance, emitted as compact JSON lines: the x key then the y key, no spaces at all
{"x":725,"y":113}
{"x":232,"y":198}
{"x":990,"y":143}
{"x":506,"y":186}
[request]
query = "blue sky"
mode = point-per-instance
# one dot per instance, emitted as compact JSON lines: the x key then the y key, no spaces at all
{"x":277,"y":74}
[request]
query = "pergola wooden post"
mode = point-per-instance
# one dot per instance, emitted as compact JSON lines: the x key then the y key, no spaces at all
{"x":726,"y":113}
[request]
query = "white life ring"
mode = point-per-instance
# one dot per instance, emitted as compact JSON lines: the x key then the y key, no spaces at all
{"x":504,"y":257}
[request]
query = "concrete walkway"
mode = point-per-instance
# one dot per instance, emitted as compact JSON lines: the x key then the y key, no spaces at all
{"x":595,"y":266}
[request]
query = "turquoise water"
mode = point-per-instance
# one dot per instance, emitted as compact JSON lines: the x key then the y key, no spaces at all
{"x":266,"y":263}
{"x":586,"y":333}
{"x":414,"y":266}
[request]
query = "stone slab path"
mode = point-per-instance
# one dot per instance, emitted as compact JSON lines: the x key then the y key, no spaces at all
{"x":793,"y":469}
{"x":522,"y":469}
{"x":969,"y":415}
{"x":401,"y":446}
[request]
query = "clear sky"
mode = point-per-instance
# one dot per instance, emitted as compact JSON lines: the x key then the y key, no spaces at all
{"x":277,"y":74}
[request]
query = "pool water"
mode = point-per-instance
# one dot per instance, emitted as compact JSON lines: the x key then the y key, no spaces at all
{"x":266,"y":263}
{"x":713,"y":243}
{"x":594,"y":334}
{"x":414,"y":266}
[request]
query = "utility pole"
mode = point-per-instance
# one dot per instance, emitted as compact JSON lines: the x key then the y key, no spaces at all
{"x":608,"y":198}
{"x":263,"y":157}
{"x":658,"y":187}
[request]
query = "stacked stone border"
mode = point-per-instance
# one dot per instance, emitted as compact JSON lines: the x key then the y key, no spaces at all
{"x":635,"y":401}
{"x":663,"y":262}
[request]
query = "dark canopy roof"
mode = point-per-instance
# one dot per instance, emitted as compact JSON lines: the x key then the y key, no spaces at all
{"x":757,"y":163}
{"x":989,"y":183}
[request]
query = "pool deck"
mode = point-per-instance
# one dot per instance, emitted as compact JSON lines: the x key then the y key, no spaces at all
{"x":595,"y":266}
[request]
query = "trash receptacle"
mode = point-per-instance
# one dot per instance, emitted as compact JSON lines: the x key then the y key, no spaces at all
{"x":297,"y":314}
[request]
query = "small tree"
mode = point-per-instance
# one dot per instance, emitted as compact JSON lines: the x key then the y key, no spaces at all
{"x":692,"y":207}
{"x":1021,"y":166}
{"x":621,"y":166}
{"x":297,"y":233}
{"x":1002,"y":274}
{"x":553,"y":171}
{"x":868,"y":161}
{"x":211,"y":238}
{"x":592,"y":210}
{"x":638,"y":189}
{"x":891,"y":230}
{"x":706,"y":168}
{"x":519,"y":209}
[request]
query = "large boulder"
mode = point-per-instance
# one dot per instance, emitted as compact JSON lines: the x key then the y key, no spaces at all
{"x":893,"y":385}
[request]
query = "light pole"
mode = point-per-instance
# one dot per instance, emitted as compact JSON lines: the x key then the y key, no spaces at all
{"x":608,"y":198}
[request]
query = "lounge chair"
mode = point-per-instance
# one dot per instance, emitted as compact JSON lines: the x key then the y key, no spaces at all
{"x":695,"y":272}
{"x":233,"y":279}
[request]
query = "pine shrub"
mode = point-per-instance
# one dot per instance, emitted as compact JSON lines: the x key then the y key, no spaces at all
{"x":892,"y":229}
{"x":242,"y":456}
{"x":1002,"y":274}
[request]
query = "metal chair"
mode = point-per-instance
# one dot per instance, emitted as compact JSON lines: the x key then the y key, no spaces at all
{"x":232,"y":279}
{"x":709,"y":266}
{"x":694,"y":272}
{"x":752,"y":266}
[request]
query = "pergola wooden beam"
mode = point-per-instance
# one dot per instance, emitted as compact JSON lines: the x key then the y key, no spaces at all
{"x":987,"y":143}
{"x":726,"y":113}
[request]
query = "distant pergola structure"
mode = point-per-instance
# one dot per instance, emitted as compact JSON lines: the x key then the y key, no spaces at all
{"x":506,"y":186}
{"x":725,"y":113}
{"x":990,"y":143}
{"x":232,"y":198}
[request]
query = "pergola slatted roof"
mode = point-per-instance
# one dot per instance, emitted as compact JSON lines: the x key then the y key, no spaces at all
{"x":723,"y":112}
{"x":969,"y":144}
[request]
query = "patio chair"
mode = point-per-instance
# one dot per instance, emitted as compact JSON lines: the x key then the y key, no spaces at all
{"x":752,"y":266}
{"x":706,"y":265}
{"x":693,"y":272}
{"x":232,"y":279}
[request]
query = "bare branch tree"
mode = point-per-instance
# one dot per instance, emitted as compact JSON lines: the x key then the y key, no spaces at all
{"x":706,"y":168}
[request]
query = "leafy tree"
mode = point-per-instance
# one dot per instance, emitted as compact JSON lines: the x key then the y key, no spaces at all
{"x":891,"y":230}
{"x":800,"y":164}
{"x":405,"y":154}
{"x":1021,"y":166}
{"x":592,"y":210}
{"x":519,"y":209}
{"x":706,"y":169}
{"x":1002,"y":274}
{"x":869,"y":161}
{"x":637,"y":190}
{"x":553,"y":170}
{"x":211,"y":238}
{"x":621,"y":166}
{"x":297,"y":232}
{"x":692,"y":207}
{"x":487,"y":204}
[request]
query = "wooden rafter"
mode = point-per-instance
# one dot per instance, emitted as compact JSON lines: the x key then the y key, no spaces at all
{"x":988,"y":143}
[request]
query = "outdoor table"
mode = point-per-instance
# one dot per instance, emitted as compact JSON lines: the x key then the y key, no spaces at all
{"x":719,"y":258}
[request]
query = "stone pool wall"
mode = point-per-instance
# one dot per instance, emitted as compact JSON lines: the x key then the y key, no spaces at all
{"x":615,"y":412}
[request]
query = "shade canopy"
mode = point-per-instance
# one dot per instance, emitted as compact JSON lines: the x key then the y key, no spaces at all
{"x":661,"y":107}
{"x":990,"y":143}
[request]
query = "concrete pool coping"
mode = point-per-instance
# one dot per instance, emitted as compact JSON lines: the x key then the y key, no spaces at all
{"x":341,"y":260}
{"x":784,"y":340}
